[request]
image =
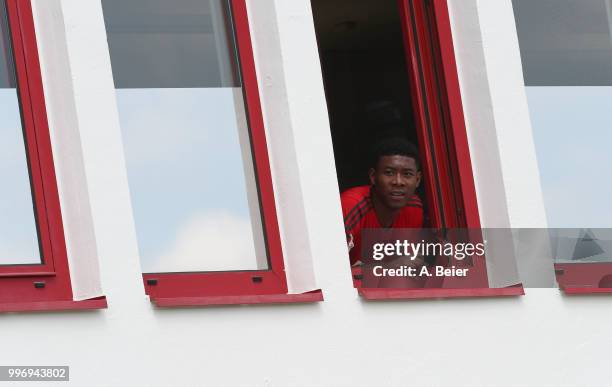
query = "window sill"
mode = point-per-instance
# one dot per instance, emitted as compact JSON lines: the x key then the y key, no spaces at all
{"x":584,"y":277}
{"x":48,"y":306}
{"x":409,"y":294}
{"x":585,"y":290}
{"x":314,"y":296}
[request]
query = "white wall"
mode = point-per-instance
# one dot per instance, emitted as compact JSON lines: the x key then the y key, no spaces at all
{"x":497,"y":116}
{"x":543,"y":339}
{"x":502,"y":148}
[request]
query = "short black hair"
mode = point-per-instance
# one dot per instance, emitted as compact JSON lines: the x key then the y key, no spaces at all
{"x":395,"y":146}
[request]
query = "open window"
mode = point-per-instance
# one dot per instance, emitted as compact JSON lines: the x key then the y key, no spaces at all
{"x":390,"y":73}
{"x":196,"y":152}
{"x":34,"y":270}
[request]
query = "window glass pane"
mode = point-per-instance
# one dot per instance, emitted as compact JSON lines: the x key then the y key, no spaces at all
{"x":572,"y":129}
{"x":186,"y":135}
{"x":565,"y":42}
{"x":566,"y":48}
{"x":171,"y":44}
{"x":18,"y":235}
{"x":6,"y":71}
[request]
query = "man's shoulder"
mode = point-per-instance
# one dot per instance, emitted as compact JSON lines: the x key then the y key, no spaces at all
{"x":414,"y":201}
{"x":355,"y":202}
{"x":411,"y":215}
{"x":355,"y":194}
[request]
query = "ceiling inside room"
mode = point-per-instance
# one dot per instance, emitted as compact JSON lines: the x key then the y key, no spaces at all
{"x":355,"y":24}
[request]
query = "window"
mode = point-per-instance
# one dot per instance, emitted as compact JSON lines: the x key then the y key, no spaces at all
{"x":196,"y":152}
{"x":34,"y":272}
{"x":566,"y":49}
{"x":390,"y":74}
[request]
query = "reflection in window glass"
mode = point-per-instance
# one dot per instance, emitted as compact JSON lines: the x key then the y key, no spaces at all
{"x":566,"y":48}
{"x":185,"y":135}
{"x":18,"y":235}
{"x":572,"y":129}
{"x":565,"y":42}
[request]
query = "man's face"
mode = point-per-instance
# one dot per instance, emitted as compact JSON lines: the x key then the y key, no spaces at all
{"x":395,"y":179}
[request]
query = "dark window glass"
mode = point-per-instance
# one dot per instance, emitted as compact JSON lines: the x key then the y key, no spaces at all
{"x":565,"y":42}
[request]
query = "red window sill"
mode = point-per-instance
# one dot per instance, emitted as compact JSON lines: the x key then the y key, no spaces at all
{"x":314,"y":296}
{"x":38,"y":306}
{"x":586,"y":290}
{"x":584,"y":278}
{"x":408,"y":294}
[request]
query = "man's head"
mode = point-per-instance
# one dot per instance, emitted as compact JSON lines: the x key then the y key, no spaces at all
{"x":396,"y":172}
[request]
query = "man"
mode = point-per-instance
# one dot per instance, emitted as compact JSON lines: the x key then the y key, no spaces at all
{"x":389,"y":201}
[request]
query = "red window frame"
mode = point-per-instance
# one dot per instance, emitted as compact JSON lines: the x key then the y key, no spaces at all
{"x":438,"y":106}
{"x":238,"y":287}
{"x":442,"y":136}
{"x":584,"y":278}
{"x":43,"y":286}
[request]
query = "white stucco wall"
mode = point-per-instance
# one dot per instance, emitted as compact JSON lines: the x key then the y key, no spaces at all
{"x":541,"y":340}
{"x":497,"y":117}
